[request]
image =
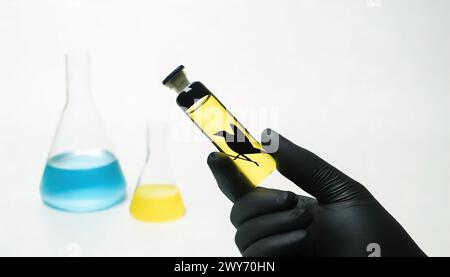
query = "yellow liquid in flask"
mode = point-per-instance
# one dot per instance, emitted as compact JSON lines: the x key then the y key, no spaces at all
{"x":157,"y":203}
{"x":230,"y":137}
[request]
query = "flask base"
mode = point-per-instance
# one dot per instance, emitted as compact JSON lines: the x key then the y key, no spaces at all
{"x":83,"y":206}
{"x":77,"y":182}
{"x":157,"y":203}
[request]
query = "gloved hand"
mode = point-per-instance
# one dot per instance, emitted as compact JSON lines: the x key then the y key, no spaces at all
{"x":344,"y":219}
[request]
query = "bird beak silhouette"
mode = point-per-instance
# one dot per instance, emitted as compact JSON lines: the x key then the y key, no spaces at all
{"x":220,"y":134}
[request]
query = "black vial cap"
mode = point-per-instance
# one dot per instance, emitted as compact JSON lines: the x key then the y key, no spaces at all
{"x":172,"y":74}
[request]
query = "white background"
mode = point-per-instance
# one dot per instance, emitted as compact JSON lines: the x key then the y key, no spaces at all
{"x":364,"y":84}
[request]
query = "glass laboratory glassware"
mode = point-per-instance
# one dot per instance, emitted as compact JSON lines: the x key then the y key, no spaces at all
{"x":221,"y":127}
{"x":82,"y":174}
{"x":157,"y":198}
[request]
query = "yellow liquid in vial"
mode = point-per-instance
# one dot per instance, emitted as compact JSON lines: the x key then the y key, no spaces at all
{"x":212,"y":117}
{"x":157,"y":203}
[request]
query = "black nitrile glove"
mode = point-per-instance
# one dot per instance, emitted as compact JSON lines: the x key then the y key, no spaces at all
{"x":344,"y":219}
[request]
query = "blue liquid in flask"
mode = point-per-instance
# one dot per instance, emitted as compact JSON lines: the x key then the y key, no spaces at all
{"x":81,"y":182}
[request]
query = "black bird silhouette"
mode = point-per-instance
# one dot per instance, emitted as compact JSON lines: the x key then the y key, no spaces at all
{"x":239,"y":143}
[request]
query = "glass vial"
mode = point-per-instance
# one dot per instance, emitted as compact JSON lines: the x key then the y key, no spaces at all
{"x":82,"y":174}
{"x":221,"y":127}
{"x":157,"y":198}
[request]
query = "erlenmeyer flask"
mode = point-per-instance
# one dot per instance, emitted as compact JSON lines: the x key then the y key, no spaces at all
{"x":156,"y":198}
{"x":82,"y":173}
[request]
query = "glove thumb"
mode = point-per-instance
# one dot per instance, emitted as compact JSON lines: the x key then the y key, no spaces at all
{"x":311,"y":173}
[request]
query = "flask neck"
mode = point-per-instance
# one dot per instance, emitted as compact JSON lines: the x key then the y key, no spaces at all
{"x":78,"y":78}
{"x":157,"y":168}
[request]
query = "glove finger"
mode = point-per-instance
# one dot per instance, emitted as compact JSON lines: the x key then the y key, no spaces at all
{"x":281,"y":245}
{"x":229,"y":178}
{"x":261,"y":201}
{"x":310,"y":172}
{"x":271,"y":224}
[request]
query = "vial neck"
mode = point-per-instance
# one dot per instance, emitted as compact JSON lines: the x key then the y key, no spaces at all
{"x":178,"y":80}
{"x":181,"y":85}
